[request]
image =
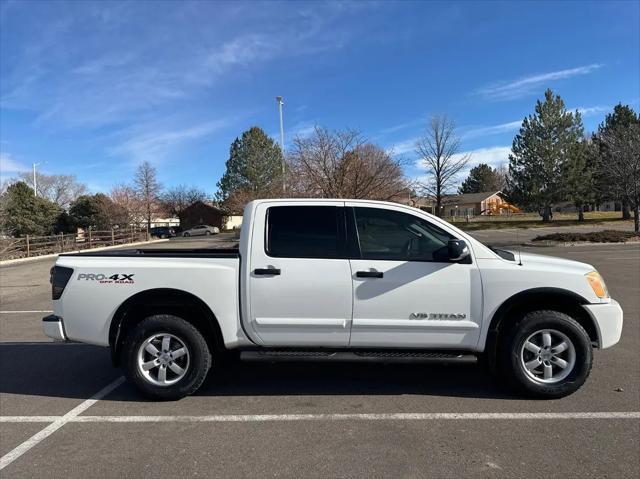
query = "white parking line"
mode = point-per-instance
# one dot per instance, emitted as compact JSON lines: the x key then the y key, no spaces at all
{"x":59,"y":421}
{"x":445,"y":416}
{"x":27,"y":312}
{"x":45,"y":341}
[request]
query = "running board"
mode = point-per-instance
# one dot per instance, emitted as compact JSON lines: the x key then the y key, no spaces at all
{"x":383,"y":356}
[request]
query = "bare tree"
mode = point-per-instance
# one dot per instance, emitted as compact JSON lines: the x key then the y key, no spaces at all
{"x":179,"y":197}
{"x":623,"y":165}
{"x":342,"y":165}
{"x":126,"y":198}
{"x":147,"y":189}
{"x":503,"y":171}
{"x":60,"y":189}
{"x":238,"y":199}
{"x":439,"y":151}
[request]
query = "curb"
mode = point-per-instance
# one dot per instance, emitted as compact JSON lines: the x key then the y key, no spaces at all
{"x":9,"y":262}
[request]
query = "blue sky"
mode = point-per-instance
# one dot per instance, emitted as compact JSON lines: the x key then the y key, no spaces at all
{"x":93,"y":89}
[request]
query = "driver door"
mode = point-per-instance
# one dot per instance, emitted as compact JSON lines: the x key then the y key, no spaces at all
{"x":406,"y":291}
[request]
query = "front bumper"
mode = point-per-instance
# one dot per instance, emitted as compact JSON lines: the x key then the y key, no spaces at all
{"x":608,"y":320}
{"x":53,"y":326}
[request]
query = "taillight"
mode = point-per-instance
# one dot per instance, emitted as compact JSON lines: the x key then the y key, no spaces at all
{"x":59,"y":278}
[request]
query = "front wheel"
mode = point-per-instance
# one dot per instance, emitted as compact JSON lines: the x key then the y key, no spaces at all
{"x":208,"y":233}
{"x":166,"y":357}
{"x":547,"y":354}
{"x":186,"y":235}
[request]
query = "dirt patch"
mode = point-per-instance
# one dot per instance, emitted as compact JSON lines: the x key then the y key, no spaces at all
{"x":606,"y":236}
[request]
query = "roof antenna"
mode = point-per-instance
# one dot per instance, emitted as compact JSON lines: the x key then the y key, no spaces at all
{"x":519,"y":248}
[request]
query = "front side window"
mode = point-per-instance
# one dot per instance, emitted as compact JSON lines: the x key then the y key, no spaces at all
{"x":303,"y":232}
{"x":392,"y":235}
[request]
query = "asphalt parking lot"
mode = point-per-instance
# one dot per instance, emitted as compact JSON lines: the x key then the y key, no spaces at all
{"x":64,"y":411}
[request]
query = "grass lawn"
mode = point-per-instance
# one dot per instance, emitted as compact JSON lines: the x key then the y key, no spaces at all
{"x":606,"y":236}
{"x":531,"y":220}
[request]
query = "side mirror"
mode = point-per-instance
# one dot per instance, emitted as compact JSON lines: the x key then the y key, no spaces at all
{"x":458,"y":250}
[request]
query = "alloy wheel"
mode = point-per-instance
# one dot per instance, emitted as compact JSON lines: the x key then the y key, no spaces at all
{"x":163,"y":359}
{"x":547,"y":356}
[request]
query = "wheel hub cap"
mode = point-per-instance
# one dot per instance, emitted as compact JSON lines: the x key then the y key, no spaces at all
{"x":163,"y":359}
{"x":547,"y":356}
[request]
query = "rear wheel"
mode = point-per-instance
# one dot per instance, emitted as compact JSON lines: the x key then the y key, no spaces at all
{"x":547,"y":354}
{"x":166,"y":357}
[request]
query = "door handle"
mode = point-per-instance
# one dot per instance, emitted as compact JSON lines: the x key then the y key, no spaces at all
{"x":266,"y":271}
{"x":369,"y":274}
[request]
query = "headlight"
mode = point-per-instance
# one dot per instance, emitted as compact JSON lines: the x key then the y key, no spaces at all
{"x":597,"y":284}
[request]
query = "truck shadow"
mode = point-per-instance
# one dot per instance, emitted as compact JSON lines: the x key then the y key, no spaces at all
{"x":78,"y":371}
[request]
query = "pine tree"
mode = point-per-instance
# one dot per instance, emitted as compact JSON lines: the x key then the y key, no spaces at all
{"x":23,"y":213}
{"x":482,"y":178}
{"x":540,"y":153}
{"x":254,"y":166}
{"x":622,"y":117}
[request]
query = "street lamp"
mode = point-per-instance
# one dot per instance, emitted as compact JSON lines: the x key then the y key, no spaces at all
{"x":35,"y":180}
{"x":280,"y":103}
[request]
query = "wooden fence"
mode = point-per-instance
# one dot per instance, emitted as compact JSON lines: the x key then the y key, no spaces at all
{"x":28,"y":246}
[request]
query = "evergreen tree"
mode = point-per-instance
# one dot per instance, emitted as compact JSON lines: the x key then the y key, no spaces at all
{"x":622,"y":117}
{"x":482,"y":178}
{"x":23,"y":213}
{"x":254,"y":166}
{"x":96,"y":211}
{"x":540,"y":153}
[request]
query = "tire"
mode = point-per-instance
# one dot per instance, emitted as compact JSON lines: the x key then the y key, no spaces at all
{"x":549,"y":372}
{"x":185,"y":235}
{"x":145,"y":343}
{"x":208,"y":233}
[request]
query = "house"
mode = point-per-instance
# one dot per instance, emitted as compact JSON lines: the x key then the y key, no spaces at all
{"x":476,"y":204}
{"x":232,"y":222}
{"x":200,"y":213}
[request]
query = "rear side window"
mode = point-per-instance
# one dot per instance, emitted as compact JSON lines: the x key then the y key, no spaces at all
{"x":393,"y":235}
{"x":304,"y":232}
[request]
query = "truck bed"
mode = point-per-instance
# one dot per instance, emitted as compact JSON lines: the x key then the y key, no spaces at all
{"x":164,"y":253}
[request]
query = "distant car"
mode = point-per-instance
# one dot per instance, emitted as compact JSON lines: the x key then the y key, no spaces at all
{"x":162,"y":232}
{"x":201,"y":230}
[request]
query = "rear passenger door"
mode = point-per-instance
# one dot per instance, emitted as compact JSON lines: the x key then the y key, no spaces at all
{"x":299,"y":285}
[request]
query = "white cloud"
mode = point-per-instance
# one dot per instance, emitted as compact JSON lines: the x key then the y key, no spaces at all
{"x":515,"y":125}
{"x":593,"y":110}
{"x":493,"y":130}
{"x":303,"y":130}
{"x":403,"y":126}
{"x":528,"y":84}
{"x":403,"y":147}
{"x":9,"y":165}
{"x":154,"y":145}
{"x":492,"y":156}
{"x":129,"y":68}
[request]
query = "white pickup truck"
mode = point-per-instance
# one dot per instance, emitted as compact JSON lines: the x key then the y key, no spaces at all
{"x":341,"y":280}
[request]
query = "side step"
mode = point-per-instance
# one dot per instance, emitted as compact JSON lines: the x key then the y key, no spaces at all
{"x":379,"y":356}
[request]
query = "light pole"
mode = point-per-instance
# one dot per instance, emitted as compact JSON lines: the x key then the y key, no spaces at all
{"x":35,"y":181}
{"x":280,"y":103}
